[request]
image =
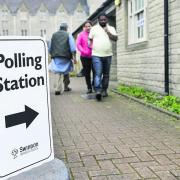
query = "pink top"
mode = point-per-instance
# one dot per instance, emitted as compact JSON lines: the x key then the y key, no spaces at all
{"x":82,"y":44}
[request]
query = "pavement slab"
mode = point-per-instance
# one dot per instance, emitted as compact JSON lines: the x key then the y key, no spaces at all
{"x":116,"y":138}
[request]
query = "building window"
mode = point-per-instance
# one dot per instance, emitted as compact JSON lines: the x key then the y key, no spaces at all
{"x":43,"y":16}
{"x":23,"y":16}
{"x":5,"y":32}
{"x":23,"y":32}
{"x":79,"y":14}
{"x":137,"y":21}
{"x":4,"y":24}
{"x":4,"y":14}
{"x":23,"y":24}
{"x":62,"y":11}
{"x":43,"y":32}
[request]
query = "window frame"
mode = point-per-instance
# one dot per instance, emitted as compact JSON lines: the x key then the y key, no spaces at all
{"x":43,"y":16}
{"x":5,"y":32}
{"x":43,"y":32}
{"x":133,"y":22}
{"x":24,"y":32}
{"x":4,"y":14}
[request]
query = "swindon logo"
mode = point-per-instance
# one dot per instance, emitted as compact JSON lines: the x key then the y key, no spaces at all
{"x":24,"y":150}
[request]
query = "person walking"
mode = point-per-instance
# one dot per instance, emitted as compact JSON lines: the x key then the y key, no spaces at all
{"x":85,"y":54}
{"x":101,"y":36}
{"x":63,"y":51}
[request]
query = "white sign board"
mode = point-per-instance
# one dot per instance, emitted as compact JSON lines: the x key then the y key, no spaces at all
{"x":25,"y":117}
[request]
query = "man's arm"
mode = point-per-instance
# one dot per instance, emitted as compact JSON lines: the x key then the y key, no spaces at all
{"x":111,"y":36}
{"x":74,"y":57}
{"x":72,"y":48}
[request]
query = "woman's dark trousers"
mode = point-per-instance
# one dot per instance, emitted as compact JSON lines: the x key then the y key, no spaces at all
{"x":87,"y":66}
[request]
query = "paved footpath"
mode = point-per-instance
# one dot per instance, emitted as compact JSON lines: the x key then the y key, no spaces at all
{"x":114,"y":139}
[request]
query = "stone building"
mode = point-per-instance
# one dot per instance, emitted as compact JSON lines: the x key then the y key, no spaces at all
{"x":40,"y":17}
{"x":149,"y":44}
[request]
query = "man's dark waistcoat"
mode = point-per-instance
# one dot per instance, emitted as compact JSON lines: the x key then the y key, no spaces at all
{"x":60,"y":45}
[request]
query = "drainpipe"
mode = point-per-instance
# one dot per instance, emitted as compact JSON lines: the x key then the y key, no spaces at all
{"x":166,"y":47}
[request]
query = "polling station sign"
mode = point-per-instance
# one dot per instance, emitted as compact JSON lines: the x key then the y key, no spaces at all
{"x":25,"y":117}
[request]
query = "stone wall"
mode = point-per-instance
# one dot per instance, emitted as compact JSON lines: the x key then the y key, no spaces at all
{"x":143,"y":63}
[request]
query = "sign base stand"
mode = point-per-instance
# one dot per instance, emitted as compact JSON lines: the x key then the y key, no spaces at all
{"x":55,"y":170}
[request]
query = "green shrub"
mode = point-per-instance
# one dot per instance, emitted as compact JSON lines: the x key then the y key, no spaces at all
{"x":170,"y":103}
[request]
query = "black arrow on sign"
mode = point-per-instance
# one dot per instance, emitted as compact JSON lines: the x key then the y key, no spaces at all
{"x":26,"y":116}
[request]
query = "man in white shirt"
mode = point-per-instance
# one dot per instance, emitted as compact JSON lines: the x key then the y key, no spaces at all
{"x":100,"y":36}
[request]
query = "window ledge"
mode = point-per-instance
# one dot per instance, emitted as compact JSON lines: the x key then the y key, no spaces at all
{"x":138,"y":45}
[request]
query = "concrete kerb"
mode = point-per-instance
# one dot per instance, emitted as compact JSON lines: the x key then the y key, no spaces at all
{"x":147,"y":104}
{"x":54,"y":170}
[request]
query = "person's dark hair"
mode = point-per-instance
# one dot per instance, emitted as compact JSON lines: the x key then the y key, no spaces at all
{"x":102,"y":14}
{"x":88,"y":21}
{"x":63,"y":28}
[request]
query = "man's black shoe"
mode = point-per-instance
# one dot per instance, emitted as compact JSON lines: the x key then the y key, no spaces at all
{"x":98,"y":96}
{"x":80,"y":75}
{"x":104,"y":93}
{"x":67,"y":89}
{"x":57,"y":92}
{"x":89,"y":91}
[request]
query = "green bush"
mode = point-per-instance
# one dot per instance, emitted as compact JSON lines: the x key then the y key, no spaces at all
{"x":170,"y":103}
